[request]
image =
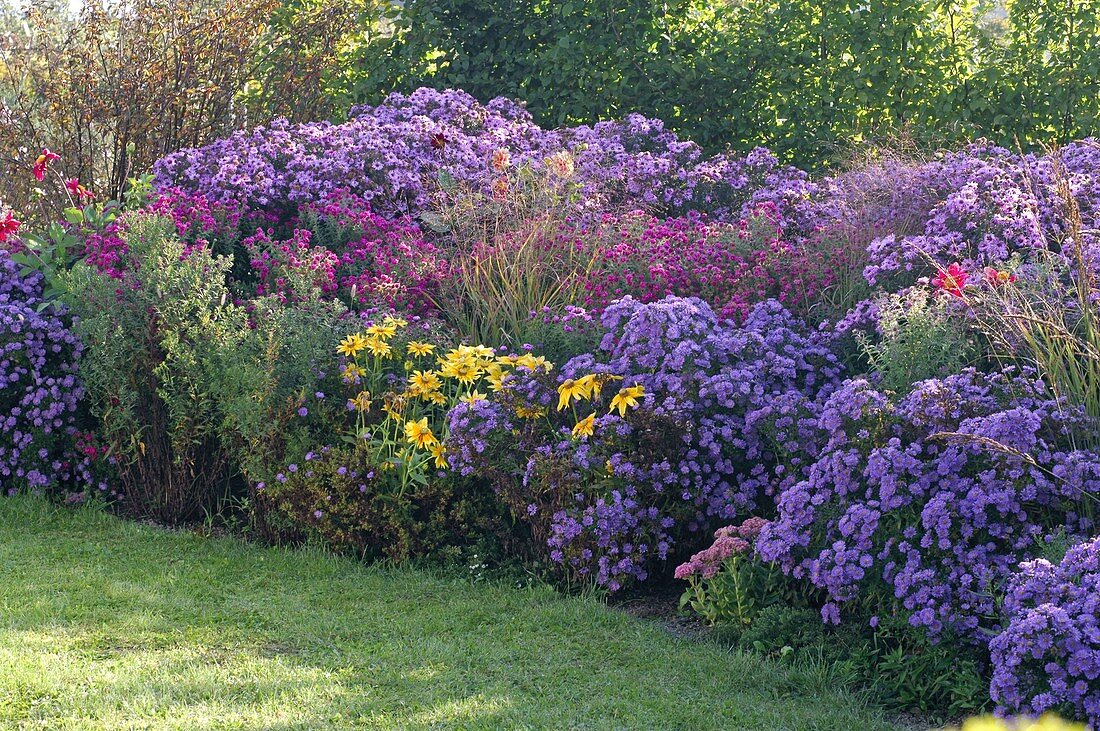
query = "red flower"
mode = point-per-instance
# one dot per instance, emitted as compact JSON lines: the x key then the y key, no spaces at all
{"x":438,"y":141}
{"x":78,"y":191}
{"x":997,"y":277}
{"x":951,"y":280}
{"x":8,"y":226}
{"x":43,"y":162}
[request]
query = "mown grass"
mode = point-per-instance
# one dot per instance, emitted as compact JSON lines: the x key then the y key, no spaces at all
{"x":106,"y":624}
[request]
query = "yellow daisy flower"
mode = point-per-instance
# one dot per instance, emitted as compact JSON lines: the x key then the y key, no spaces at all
{"x":585,"y":427}
{"x":527,"y":412}
{"x":439,"y":452}
{"x":463,"y":371}
{"x":473,"y":397}
{"x":424,"y":382}
{"x":379,"y":348}
{"x":382,"y":332}
{"x":627,"y":398}
{"x":351,"y":345}
{"x":353,"y":371}
{"x":420,"y":349}
{"x":419,"y":434}
{"x":534,"y":362}
{"x":571,"y":390}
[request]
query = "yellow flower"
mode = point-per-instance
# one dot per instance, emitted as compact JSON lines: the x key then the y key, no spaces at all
{"x":440,"y":453}
{"x":1046,"y":722}
{"x":418,"y":433}
{"x":420,"y":349}
{"x":353,"y":371}
{"x":494,"y":373}
{"x":424,"y":382}
{"x":534,"y":362}
{"x":627,"y":398}
{"x":464,"y":371}
{"x":379,"y":347}
{"x":585,"y":427}
{"x":571,"y":390}
{"x":473,"y":397}
{"x":436,"y":398}
{"x":527,"y":412}
{"x":382,"y":332}
{"x":351,"y":345}
{"x":361,"y":402}
{"x":593,"y":383}
{"x":397,"y":322}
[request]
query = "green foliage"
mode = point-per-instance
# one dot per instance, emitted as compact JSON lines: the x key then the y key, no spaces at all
{"x":807,"y":79}
{"x":919,"y":337}
{"x":271,"y":372}
{"x":153,"y":359}
{"x":737,"y":593}
{"x":905,"y":670}
{"x":782,"y":628}
{"x":335,"y":498}
{"x":513,"y":254}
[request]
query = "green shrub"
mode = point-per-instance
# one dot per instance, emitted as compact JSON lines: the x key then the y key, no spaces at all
{"x":804,"y":78}
{"x":920,"y":336}
{"x":342,"y":497}
{"x":904,"y":669}
{"x":155,"y":343}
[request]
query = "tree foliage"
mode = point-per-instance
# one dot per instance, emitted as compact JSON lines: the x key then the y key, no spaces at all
{"x":807,"y":78}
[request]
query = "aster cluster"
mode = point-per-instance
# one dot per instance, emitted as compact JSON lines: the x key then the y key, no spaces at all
{"x":1048,"y":655}
{"x":395,"y":154}
{"x":40,"y":391}
{"x":614,"y":492}
{"x":982,"y":207}
{"x":924,"y":504}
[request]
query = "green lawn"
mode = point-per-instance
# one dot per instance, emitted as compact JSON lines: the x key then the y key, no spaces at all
{"x":106,"y":624}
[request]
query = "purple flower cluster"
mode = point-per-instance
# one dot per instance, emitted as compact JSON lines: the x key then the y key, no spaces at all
{"x":978,"y":207}
{"x":723,"y":408}
{"x":394,"y":155}
{"x":928,"y":502}
{"x":1048,"y":655}
{"x":40,"y":390}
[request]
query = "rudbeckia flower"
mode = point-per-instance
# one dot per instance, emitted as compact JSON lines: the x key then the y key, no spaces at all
{"x":419,"y":434}
{"x":585,"y":427}
{"x":571,"y":390}
{"x":420,"y":349}
{"x":351,"y":345}
{"x":439,"y":452}
{"x":627,"y":398}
